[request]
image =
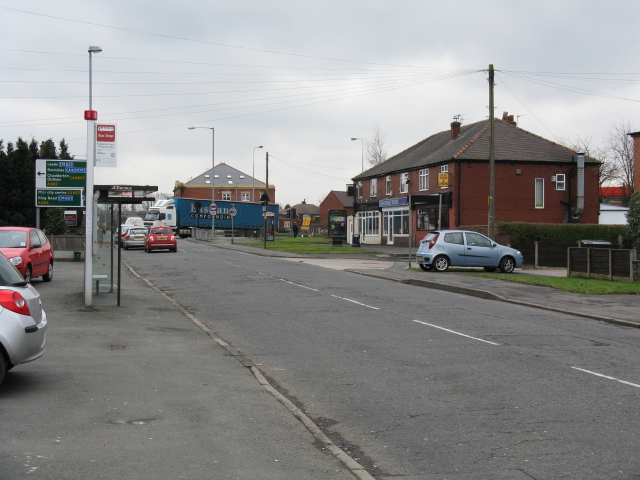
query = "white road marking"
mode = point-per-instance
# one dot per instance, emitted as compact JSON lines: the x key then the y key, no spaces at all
{"x":298,"y":285}
{"x":607,"y":377}
{"x":457,"y":333}
{"x":357,"y":303}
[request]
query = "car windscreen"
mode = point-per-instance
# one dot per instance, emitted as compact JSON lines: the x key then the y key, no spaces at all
{"x":429,"y":237}
{"x":8,"y":274}
{"x":161,"y":230}
{"x":138,"y":231}
{"x":13,"y":239}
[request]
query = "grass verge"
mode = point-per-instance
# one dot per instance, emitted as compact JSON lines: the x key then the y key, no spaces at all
{"x":307,"y":245}
{"x":585,"y":286}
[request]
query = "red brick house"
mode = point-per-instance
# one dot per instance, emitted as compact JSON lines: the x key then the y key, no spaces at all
{"x":230,"y":184}
{"x":335,"y":200}
{"x":443,"y":182}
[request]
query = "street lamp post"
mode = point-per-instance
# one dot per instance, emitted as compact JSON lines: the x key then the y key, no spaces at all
{"x":362,"y":150}
{"x":253,"y":174}
{"x":213,"y":180}
{"x":91,"y":118}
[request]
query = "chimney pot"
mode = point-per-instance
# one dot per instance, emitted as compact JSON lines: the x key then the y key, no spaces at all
{"x":455,"y":129}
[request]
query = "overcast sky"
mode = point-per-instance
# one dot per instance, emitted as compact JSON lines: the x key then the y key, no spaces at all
{"x":302,"y":78}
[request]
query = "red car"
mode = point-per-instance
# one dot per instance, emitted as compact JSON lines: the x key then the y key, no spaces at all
{"x":29,"y":250}
{"x":160,"y":238}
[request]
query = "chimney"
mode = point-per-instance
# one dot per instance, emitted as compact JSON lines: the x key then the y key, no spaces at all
{"x":636,"y":159}
{"x":508,"y":118}
{"x":455,"y":129}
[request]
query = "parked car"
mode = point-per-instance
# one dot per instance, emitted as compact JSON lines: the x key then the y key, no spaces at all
{"x":135,"y":237}
{"x":23,"y":322}
{"x":29,"y":250}
{"x":160,"y":238}
{"x":459,"y":248}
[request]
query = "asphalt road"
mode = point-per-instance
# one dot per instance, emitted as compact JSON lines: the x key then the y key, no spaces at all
{"x":417,"y":383}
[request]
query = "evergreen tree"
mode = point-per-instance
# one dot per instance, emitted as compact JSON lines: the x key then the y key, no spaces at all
{"x":634,"y":220}
{"x":54,"y":222}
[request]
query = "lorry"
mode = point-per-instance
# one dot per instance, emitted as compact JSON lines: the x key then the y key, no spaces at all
{"x":185,"y":214}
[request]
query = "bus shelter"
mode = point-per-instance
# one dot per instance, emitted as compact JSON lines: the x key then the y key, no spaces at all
{"x":107,"y":255}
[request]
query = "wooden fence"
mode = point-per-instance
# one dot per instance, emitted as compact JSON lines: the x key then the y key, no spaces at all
{"x":602,"y":263}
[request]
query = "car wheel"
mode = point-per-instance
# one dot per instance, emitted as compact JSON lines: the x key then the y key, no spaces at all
{"x":426,"y":268}
{"x":507,"y":265}
{"x":27,"y":274}
{"x":441,"y":264}
{"x":490,"y":269}
{"x":47,"y":277}
{"x":126,"y":247}
{"x":174,"y":250}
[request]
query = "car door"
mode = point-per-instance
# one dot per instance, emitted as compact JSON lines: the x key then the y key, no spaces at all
{"x":479,"y":251}
{"x":36,"y":254}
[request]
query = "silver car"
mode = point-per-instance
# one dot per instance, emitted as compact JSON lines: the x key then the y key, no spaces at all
{"x":460,"y":248}
{"x":134,"y":237}
{"x":23,"y":322}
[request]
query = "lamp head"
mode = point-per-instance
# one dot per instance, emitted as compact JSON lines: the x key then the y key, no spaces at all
{"x":192,"y":128}
{"x":353,"y":139}
{"x":95,"y":49}
{"x":260,"y":146}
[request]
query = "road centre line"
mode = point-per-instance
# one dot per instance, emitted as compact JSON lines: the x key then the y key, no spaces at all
{"x":457,"y":333}
{"x":607,"y":377}
{"x":357,"y":303}
{"x":298,"y":285}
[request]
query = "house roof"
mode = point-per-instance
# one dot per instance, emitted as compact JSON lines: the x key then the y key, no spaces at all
{"x":614,"y":191}
{"x":306,"y":209}
{"x":512,"y":144}
{"x":344,"y":199}
{"x":225,"y":175}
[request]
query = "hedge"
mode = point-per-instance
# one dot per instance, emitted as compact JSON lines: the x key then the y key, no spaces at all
{"x":527,"y":233}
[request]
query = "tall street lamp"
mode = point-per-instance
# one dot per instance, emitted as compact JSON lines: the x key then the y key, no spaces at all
{"x":91,"y":118}
{"x":253,"y":174}
{"x":362,"y":150}
{"x":213,"y":180}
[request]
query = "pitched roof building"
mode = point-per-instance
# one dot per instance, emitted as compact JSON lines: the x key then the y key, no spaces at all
{"x":443,"y":182}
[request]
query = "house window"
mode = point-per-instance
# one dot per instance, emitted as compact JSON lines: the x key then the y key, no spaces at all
{"x":404,"y":182}
{"x":444,"y":168}
{"x":424,"y":179}
{"x":561,"y":181}
{"x":369,"y":223}
{"x":226,"y":196}
{"x":373,"y":187}
{"x":359,"y":189}
{"x":539,"y":193}
{"x":245,"y":197}
{"x":397,"y":221}
{"x":389,"y":191}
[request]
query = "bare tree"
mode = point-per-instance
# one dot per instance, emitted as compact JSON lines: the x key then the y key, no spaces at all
{"x":609,"y":173}
{"x":376,"y":148}
{"x":620,"y":149}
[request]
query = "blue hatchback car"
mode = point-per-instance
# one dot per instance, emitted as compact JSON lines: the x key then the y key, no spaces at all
{"x":460,"y":248}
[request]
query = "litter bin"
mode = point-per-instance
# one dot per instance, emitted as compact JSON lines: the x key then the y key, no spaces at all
{"x":355,"y":241}
{"x":595,"y":243}
{"x":77,"y":256}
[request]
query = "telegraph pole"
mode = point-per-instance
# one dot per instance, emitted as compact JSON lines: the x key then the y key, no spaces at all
{"x":492,"y":163}
{"x":266,"y":203}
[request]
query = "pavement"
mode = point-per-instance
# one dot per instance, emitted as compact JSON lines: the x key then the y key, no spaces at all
{"x":150,"y":385}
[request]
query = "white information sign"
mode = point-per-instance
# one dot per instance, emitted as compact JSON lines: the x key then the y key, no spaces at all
{"x":106,"y":145}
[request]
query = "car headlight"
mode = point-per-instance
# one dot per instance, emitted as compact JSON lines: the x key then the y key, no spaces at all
{"x":17,"y":261}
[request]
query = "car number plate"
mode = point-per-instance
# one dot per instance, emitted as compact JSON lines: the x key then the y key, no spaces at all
{"x":162,"y":238}
{"x":420,"y":259}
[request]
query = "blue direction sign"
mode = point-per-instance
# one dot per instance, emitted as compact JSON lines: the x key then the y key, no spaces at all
{"x":61,"y":173}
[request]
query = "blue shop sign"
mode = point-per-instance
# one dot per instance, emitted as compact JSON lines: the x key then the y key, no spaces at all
{"x":394,"y":202}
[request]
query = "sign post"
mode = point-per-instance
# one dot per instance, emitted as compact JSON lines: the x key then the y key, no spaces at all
{"x":233,"y":212}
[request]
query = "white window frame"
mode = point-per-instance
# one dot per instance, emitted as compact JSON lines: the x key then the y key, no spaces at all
{"x":226,"y":196}
{"x":359,"y":189}
{"x":444,"y":168}
{"x":561,"y":184}
{"x":245,"y":196}
{"x":373,"y":187}
{"x":538,"y":200}
{"x":389,"y":189}
{"x":404,"y":185}
{"x":424,"y":179}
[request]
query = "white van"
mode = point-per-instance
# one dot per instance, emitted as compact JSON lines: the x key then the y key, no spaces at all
{"x":134,"y":221}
